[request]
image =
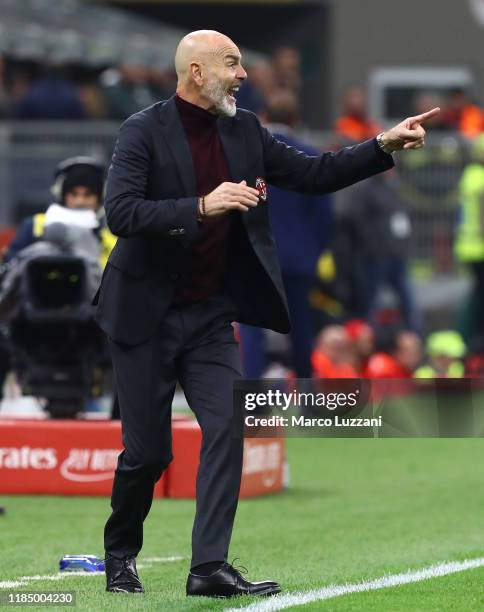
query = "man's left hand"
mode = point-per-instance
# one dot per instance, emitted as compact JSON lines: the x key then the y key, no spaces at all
{"x":409,"y":134}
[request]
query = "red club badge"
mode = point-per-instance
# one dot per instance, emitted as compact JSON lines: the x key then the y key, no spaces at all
{"x":261,"y":187}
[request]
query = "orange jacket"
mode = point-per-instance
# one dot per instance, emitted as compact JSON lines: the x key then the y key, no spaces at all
{"x":323,"y":367}
{"x":471,"y":122}
{"x":382,"y":365}
{"x":355,"y":128}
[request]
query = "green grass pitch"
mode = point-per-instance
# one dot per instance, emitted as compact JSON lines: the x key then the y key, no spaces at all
{"x":355,"y":510}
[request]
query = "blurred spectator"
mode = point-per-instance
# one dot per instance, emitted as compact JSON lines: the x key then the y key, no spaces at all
{"x":86,"y":79}
{"x":445,"y":351}
{"x":301,"y":230}
{"x":256,"y":89}
{"x":18,"y":76}
{"x":129,"y":88}
{"x":262,"y":75}
{"x":51,"y":96}
{"x":354,"y":125}
{"x":400,"y":359}
{"x":381,"y":231}
{"x":362,"y":339}
{"x":335,"y":296}
{"x":469,"y":243}
{"x":331,"y":357}
{"x":250,"y":97}
{"x":474,"y":363}
{"x":92,"y":101}
{"x":79,"y":185}
{"x":162,"y":82}
{"x":287,"y":68}
{"x":462,"y":115}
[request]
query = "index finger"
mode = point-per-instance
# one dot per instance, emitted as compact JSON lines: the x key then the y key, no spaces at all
{"x":428,"y":115}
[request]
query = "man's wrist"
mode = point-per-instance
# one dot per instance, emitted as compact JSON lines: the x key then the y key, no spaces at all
{"x":383,"y":143}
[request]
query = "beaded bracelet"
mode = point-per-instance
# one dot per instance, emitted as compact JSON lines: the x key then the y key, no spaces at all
{"x":201,"y":213}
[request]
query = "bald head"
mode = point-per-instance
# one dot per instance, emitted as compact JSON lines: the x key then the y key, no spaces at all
{"x":198,"y":46}
{"x":209,"y":71}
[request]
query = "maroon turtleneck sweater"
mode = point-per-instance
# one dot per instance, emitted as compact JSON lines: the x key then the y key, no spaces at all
{"x":208,"y":255}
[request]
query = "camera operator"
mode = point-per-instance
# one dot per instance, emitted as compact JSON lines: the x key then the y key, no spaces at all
{"x":74,"y":222}
{"x":78,"y":185}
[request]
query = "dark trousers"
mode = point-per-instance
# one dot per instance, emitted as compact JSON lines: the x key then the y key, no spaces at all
{"x":390,"y":272}
{"x":195,"y":345}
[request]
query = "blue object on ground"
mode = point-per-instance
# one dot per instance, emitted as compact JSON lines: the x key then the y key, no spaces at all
{"x":81,"y":563}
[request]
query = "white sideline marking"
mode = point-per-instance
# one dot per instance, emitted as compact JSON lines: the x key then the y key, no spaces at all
{"x":10,"y":584}
{"x":23,"y":580}
{"x":281,"y":602}
{"x":162,"y":559}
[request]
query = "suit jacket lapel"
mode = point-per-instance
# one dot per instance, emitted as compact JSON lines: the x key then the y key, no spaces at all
{"x":233,"y":140}
{"x":178,"y":144}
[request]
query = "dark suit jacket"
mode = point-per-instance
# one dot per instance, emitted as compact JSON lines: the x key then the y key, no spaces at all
{"x":151,"y":204}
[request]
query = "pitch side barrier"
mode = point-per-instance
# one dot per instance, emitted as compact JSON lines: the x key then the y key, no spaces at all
{"x":360,"y":408}
{"x":73,"y":457}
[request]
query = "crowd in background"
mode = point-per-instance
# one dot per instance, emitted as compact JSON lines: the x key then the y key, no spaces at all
{"x":334,"y":264}
{"x":32,"y":89}
{"x":459,"y":113}
{"x":363,"y":252}
{"x":354,"y":350}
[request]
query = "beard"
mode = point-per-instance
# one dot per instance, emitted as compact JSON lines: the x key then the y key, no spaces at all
{"x":217,"y":93}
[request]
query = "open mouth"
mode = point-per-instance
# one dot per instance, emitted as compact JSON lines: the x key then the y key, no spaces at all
{"x":232,"y":93}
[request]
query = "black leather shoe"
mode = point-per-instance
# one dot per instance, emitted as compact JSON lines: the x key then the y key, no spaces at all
{"x":121,"y":575}
{"x":228,"y":582}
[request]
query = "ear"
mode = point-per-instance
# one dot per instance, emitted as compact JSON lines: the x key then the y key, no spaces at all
{"x":196,"y":72}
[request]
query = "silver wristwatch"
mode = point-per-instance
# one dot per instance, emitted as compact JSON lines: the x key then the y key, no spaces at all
{"x":385,"y":148}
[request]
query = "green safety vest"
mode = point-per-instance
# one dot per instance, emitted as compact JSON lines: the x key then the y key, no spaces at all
{"x":456,"y":370}
{"x":469,"y":243}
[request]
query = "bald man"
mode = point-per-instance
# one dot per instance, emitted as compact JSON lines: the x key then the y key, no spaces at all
{"x":186,"y":194}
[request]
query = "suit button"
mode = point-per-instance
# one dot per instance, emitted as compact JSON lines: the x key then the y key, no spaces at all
{"x":174,"y":276}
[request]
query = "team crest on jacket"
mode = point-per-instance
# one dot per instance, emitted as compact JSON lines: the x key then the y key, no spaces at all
{"x":261,"y":187}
